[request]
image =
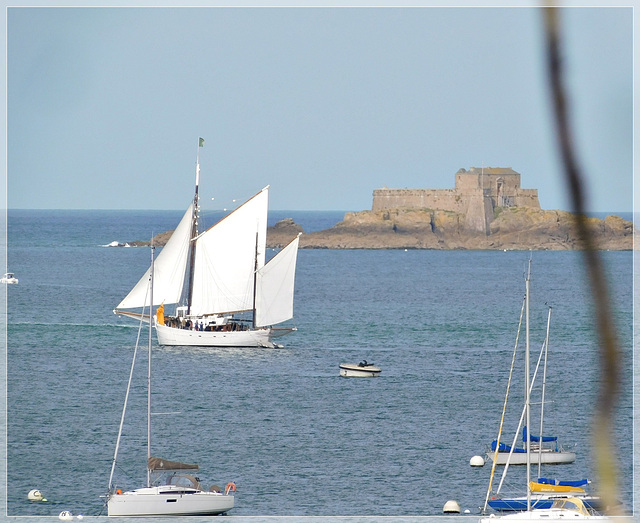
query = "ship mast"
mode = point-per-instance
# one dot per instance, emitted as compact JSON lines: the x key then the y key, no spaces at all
{"x":194,"y":230}
{"x":255,"y":282}
{"x":149,"y":367}
{"x":527,"y":389}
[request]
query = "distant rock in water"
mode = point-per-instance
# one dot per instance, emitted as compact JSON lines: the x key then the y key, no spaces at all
{"x":512,"y":228}
{"x":278,"y":236}
{"x":159,"y":240}
{"x":281,"y":234}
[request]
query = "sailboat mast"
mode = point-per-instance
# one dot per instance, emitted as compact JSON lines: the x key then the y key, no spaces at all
{"x":544,"y":387}
{"x":255,"y":281}
{"x":194,"y":230}
{"x":527,"y":390}
{"x":149,"y":369}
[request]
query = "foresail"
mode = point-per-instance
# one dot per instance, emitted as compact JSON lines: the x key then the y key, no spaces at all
{"x":225,"y":259}
{"x":274,"y":287}
{"x":169,"y":270}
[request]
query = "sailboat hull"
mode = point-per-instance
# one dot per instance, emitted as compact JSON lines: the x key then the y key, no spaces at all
{"x":168,"y":501}
{"x":546,"y":514}
{"x":548,"y":457}
{"x":247,"y":338}
{"x":539,"y":501}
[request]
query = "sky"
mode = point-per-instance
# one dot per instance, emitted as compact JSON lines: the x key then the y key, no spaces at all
{"x":105,"y":104}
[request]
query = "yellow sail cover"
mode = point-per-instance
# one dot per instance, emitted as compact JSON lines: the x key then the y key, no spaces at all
{"x":543,"y":487}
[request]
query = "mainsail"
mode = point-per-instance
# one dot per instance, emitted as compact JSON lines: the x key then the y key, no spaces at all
{"x":227,"y":256}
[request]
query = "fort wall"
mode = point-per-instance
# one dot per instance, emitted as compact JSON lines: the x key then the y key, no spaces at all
{"x":443,"y":199}
{"x":477,"y":193}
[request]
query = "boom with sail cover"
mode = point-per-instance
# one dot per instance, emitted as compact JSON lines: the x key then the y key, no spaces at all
{"x":157,"y":464}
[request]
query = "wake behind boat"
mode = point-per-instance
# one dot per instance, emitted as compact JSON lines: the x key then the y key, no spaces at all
{"x":224,"y":293}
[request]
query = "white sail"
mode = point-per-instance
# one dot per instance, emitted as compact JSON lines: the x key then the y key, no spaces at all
{"x":274,"y":287}
{"x":225,"y":260}
{"x":170,"y":266}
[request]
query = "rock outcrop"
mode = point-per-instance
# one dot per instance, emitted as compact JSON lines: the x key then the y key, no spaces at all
{"x":282,"y":233}
{"x":512,"y":228}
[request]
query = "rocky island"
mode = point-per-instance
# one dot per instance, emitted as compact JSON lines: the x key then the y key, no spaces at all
{"x":487,"y":209}
{"x":512,"y":229}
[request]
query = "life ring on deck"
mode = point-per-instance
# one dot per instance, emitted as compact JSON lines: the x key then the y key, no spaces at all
{"x":230,"y":486}
{"x":119,"y":491}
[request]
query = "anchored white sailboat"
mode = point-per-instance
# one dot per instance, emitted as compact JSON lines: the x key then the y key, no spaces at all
{"x":169,"y":491}
{"x":224,"y":293}
{"x":553,"y":454}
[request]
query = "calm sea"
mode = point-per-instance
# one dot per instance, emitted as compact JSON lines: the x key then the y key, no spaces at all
{"x":297,"y":439}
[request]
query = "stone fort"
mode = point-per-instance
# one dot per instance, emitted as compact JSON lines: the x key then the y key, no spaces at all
{"x":476,"y":195}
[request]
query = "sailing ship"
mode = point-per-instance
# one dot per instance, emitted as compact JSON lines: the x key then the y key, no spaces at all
{"x":558,"y":502}
{"x":170,"y":489}
{"x":224,"y":293}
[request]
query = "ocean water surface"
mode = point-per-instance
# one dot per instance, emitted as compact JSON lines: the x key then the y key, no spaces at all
{"x":295,"y":437}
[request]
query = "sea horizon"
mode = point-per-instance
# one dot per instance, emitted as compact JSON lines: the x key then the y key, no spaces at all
{"x":627,"y":215}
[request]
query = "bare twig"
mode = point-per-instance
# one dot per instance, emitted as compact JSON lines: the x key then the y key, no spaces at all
{"x":609,"y":352}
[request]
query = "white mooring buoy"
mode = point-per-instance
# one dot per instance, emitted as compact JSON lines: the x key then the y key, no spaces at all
{"x":65,"y":515}
{"x":451,"y":507}
{"x":476,"y":461}
{"x":34,"y":495}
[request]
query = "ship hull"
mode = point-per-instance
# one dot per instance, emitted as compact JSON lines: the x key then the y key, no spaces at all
{"x":168,"y":501}
{"x":259,"y":338}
